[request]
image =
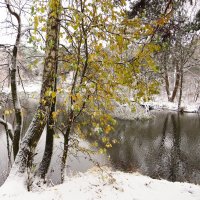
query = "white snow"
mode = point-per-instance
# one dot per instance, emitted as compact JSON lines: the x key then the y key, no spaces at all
{"x":27,"y":88}
{"x":165,"y":105}
{"x":105,"y":184}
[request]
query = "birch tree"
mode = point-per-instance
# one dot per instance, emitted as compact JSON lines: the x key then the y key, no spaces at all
{"x":39,"y":121}
{"x":13,"y":77}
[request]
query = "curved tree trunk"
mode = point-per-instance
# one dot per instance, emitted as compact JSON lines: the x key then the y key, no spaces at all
{"x":13,"y":75}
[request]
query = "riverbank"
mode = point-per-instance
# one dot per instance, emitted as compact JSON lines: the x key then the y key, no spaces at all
{"x":189,"y":104}
{"x":106,"y":185}
{"x":170,"y":106}
{"x":127,"y":112}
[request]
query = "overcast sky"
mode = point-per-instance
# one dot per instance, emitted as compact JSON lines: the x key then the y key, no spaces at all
{"x":6,"y":36}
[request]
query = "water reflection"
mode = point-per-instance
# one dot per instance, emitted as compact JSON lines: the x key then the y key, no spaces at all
{"x":76,"y":162}
{"x":165,"y":147}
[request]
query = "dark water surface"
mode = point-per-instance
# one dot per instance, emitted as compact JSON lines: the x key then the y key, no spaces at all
{"x":166,"y":146}
{"x":76,"y":161}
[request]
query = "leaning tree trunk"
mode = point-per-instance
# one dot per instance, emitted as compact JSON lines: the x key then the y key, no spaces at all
{"x":13,"y":75}
{"x":39,"y":121}
{"x":48,"y":152}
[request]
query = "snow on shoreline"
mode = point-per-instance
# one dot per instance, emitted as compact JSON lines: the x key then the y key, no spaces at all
{"x":107,"y":185}
{"x":165,"y":105}
{"x":122,"y":111}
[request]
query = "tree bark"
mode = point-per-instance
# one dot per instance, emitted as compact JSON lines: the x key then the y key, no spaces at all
{"x":13,"y":75}
{"x":180,"y":89}
{"x":176,"y":85}
{"x":48,"y":152}
{"x":166,"y":76}
{"x":39,"y":121}
{"x":65,"y":150}
{"x":8,"y":127}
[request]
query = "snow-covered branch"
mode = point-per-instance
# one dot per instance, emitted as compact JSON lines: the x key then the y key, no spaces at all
{"x":8,"y":128}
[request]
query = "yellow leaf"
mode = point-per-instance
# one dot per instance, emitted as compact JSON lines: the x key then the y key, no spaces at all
{"x":36,"y":23}
{"x":6,"y":112}
{"x":53,"y":94}
{"x":108,"y":129}
{"x":108,"y":145}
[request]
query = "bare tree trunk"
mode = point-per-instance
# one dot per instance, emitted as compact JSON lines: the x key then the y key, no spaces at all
{"x":166,"y":77}
{"x":176,"y":85}
{"x":72,"y":115}
{"x":197,"y":88}
{"x":180,"y":89}
{"x":40,"y":118}
{"x":65,"y":150}
{"x":13,"y":71}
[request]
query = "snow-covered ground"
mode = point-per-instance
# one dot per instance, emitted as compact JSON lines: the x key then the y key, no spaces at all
{"x":27,"y":88}
{"x":189,"y":103}
{"x":165,"y":105}
{"x":106,"y":184}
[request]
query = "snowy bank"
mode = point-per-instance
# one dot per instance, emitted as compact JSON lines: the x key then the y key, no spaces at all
{"x":96,"y":184}
{"x":129,"y":112}
{"x":170,"y":106}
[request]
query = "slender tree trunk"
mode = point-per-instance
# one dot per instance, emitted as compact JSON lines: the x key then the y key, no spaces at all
{"x":13,"y":74}
{"x":65,"y":152}
{"x":66,"y":145}
{"x":176,"y":85}
{"x":166,"y":77}
{"x":180,"y":89}
{"x":72,"y":116}
{"x":40,"y":118}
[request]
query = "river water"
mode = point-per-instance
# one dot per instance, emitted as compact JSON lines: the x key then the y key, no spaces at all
{"x":164,"y":147}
